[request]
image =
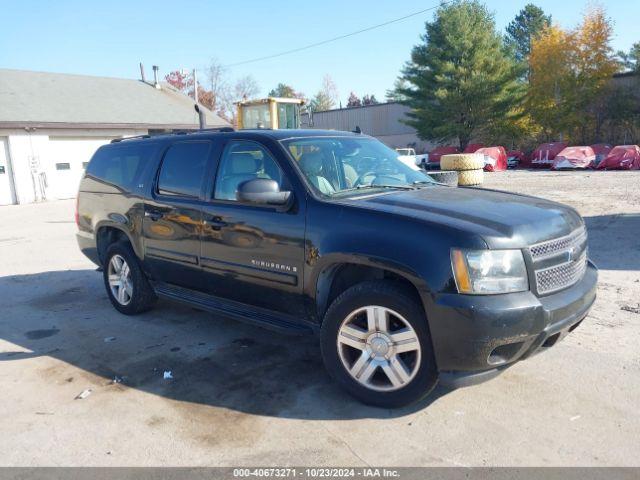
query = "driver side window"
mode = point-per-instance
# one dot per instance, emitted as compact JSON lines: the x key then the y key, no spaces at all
{"x":242,"y":161}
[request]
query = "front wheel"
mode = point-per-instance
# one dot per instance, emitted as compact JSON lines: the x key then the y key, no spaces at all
{"x":376,"y":344}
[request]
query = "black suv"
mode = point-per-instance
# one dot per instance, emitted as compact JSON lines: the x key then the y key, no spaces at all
{"x":406,"y":281}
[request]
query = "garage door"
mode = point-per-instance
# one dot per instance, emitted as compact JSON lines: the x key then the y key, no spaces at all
{"x":67,"y":159}
{"x":6,"y":195}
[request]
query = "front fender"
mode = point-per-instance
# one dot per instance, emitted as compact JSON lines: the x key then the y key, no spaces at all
{"x":323,"y":271}
{"x":411,"y":248}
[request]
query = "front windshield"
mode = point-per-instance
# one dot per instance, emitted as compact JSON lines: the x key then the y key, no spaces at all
{"x":340,"y":165}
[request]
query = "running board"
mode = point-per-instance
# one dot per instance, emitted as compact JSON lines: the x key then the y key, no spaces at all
{"x":261,"y":317}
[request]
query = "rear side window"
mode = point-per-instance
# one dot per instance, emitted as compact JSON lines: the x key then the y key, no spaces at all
{"x":121,"y":166}
{"x":183,"y":167}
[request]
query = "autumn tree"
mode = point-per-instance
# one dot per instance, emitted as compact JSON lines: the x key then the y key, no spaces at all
{"x":595,"y":65}
{"x":179,"y":80}
{"x":460,"y":79}
{"x":549,"y":99}
{"x":326,"y":97}
{"x":353,"y":101}
{"x":570,"y":74}
{"x":215,"y":91}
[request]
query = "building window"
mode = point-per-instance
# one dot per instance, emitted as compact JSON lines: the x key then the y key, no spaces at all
{"x":84,"y":165}
{"x":2,"y":169}
{"x":63,"y":166}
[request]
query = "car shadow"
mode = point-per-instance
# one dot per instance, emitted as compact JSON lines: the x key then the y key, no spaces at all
{"x":214,"y":361}
{"x":614,"y":241}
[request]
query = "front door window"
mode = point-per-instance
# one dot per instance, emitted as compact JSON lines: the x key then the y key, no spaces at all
{"x":242,"y":161}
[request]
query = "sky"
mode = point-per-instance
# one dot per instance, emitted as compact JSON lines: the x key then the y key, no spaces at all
{"x":110,"y":38}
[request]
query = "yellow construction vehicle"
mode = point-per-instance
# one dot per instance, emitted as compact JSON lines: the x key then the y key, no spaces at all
{"x":271,"y":112}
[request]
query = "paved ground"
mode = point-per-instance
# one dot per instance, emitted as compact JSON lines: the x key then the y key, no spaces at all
{"x":245,"y":396}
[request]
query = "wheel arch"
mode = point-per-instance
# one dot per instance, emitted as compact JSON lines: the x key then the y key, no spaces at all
{"x":339,"y":272}
{"x":108,"y":233}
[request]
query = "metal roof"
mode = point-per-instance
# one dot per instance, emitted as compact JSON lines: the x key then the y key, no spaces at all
{"x":53,"y":100}
{"x":378,"y":120}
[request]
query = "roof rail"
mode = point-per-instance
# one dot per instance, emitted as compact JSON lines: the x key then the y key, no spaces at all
{"x":177,"y":132}
{"x":217,"y":129}
{"x":116,"y":140}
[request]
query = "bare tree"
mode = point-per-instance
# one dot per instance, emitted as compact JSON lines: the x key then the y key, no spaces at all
{"x":218,"y":86}
{"x":245,"y":88}
{"x":327,"y":97}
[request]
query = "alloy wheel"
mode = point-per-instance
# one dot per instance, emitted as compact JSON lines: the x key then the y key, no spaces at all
{"x":379,"y":348}
{"x":120,"y":283}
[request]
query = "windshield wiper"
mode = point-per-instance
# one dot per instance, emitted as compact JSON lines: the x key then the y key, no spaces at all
{"x":424,"y":182}
{"x":382,"y":185}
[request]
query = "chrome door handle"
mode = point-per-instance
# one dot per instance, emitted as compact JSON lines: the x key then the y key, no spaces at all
{"x":215,"y":223}
{"x":154,"y":216}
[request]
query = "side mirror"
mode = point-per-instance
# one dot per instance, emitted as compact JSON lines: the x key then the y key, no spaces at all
{"x":262,"y":191}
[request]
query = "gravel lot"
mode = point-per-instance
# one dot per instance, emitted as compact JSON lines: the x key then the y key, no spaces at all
{"x":245,"y":396}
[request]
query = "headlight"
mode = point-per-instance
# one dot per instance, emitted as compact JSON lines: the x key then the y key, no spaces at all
{"x":489,"y":271}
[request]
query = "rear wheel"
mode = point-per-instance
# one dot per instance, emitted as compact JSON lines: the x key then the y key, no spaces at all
{"x":376,"y":344}
{"x":126,"y":284}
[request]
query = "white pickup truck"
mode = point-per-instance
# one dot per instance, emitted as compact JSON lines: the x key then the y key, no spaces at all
{"x":408,"y":157}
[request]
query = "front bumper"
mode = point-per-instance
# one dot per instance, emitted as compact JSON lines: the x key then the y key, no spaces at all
{"x":476,"y":337}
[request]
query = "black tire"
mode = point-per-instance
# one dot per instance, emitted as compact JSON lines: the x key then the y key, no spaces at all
{"x":143,"y":296}
{"x":447,"y":177}
{"x":389,"y":295}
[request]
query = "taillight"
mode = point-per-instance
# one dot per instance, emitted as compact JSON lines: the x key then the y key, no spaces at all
{"x":77,"y":213}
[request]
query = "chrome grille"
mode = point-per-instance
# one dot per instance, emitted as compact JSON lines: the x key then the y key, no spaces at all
{"x":561,"y":276}
{"x":559,"y":245}
{"x":561,"y":262}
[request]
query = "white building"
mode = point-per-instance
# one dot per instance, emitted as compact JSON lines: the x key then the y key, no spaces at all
{"x":51,"y":124}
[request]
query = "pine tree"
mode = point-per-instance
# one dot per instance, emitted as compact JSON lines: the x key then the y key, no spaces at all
{"x":524,"y":28}
{"x":285,"y":91}
{"x":460,"y":79}
{"x":630,"y":62}
{"x":393,"y":94}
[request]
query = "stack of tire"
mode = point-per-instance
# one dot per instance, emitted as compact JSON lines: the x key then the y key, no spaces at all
{"x":449,"y":178}
{"x":468,"y":165}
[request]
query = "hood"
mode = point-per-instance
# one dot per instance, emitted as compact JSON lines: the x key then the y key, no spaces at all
{"x":503,"y":220}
